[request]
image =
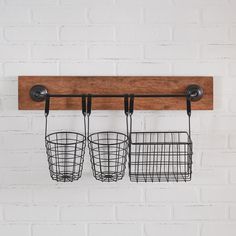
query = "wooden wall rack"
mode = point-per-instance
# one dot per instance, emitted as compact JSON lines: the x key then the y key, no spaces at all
{"x":116,"y":85}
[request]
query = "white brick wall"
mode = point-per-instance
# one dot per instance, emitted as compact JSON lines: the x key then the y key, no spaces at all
{"x":117,"y":37}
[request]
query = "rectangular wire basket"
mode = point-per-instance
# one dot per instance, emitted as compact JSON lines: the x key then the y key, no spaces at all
{"x":160,"y":157}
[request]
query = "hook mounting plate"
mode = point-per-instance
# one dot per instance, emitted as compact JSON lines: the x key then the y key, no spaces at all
{"x":38,"y":93}
{"x":195,"y":91}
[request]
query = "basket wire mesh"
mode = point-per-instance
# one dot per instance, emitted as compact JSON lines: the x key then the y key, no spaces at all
{"x":108,"y":153}
{"x":160,"y":156}
{"x":65,"y":151}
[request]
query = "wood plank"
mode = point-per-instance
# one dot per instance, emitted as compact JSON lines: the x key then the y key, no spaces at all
{"x":116,"y":85}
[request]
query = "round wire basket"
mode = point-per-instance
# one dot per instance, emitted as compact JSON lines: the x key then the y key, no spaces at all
{"x":65,"y":151}
{"x":108,"y":155}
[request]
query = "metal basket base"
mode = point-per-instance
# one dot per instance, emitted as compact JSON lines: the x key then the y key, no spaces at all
{"x":109,"y":176}
{"x":65,"y":177}
{"x":161,"y":178}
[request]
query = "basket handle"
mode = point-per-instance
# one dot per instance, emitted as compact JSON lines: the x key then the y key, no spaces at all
{"x":47,"y":109}
{"x":89,"y":109}
{"x":188,"y":108}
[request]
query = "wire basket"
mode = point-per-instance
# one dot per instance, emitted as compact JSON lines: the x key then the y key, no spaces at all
{"x":108,"y":155}
{"x":65,"y":151}
{"x":108,"y":152}
{"x":160,"y":157}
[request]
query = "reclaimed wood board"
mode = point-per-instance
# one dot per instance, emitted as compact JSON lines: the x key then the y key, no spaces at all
{"x":115,"y":85}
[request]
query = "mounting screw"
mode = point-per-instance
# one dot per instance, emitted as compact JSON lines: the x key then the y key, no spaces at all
{"x":195,"y":92}
{"x":38,"y":93}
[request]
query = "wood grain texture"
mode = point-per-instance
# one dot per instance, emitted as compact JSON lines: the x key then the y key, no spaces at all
{"x":115,"y":85}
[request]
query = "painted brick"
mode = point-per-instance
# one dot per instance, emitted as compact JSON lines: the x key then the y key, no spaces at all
{"x":59,"y":195}
{"x":214,"y":14}
{"x":117,"y":37}
{"x":146,"y":3}
{"x":15,"y":195}
{"x":218,"y":229}
{"x":232,"y":141}
{"x":170,"y":51}
{"x":218,"y":159}
{"x":219,"y":51}
{"x":27,"y":178}
{"x":232,"y":68}
{"x":209,"y":176}
{"x":200,"y":212}
{"x":172,"y":15}
{"x":58,"y":51}
{"x":143,"y":68}
{"x":13,"y":123}
{"x":31,"y":213}
{"x":57,"y":123}
{"x":174,"y":194}
{"x":1,"y":35}
{"x":115,"y":195}
{"x":167,"y":229}
{"x":1,"y":69}
{"x":200,"y":68}
{"x":31,"y":33}
{"x":60,"y":15}
{"x":121,"y":51}
{"x":1,"y":213}
{"x":223,"y":123}
{"x":212,"y":141}
{"x":146,"y":33}
{"x":23,"y":141}
{"x":178,"y":122}
{"x":116,"y":229}
{"x":232,"y":175}
{"x":11,"y":52}
{"x":14,"y":159}
{"x":8,"y":88}
{"x":87,"y":213}
{"x":117,"y":14}
{"x":200,"y":2}
{"x":87,"y":33}
{"x":14,"y":15}
{"x":143,"y":213}
{"x":59,"y":230}
{"x":14,"y":229}
{"x":31,"y":2}
{"x":87,"y":68}
{"x":219,"y":194}
{"x":30,"y":68}
{"x":232,"y":34}
{"x":86,"y":3}
{"x":200,"y":34}
{"x":9,"y":103}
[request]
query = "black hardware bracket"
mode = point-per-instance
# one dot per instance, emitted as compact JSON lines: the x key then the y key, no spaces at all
{"x":38,"y":94}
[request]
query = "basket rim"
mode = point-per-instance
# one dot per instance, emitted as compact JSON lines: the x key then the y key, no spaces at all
{"x":63,"y":132}
{"x":188,"y":142}
{"x":105,"y":132}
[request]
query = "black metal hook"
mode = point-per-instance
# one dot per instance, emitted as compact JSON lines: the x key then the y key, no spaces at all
{"x":89,"y":104}
{"x":84,"y":105}
{"x":47,"y":104}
